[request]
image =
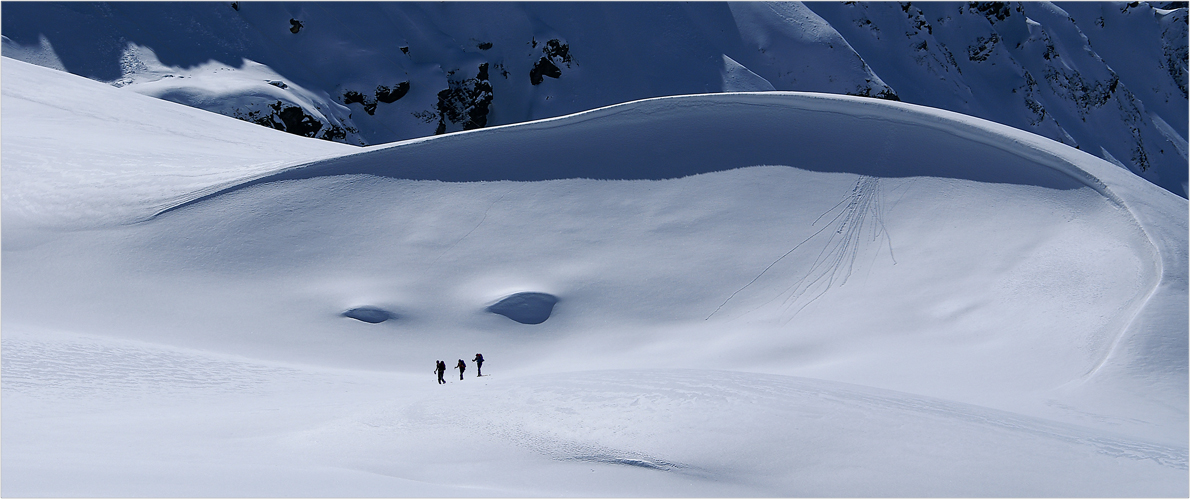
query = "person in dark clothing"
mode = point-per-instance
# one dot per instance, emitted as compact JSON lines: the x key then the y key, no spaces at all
{"x":461,"y":367}
{"x":440,"y":368}
{"x":478,"y":360}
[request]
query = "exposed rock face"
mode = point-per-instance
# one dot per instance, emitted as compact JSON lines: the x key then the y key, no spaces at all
{"x":982,"y":48}
{"x":384,"y":94}
{"x":1174,"y":47}
{"x":353,"y":97}
{"x":541,"y":68}
{"x":1108,"y":78}
{"x":465,"y":102}
{"x":293,"y":119}
{"x":389,"y":95}
{"x":1083,"y":74}
{"x":554,"y":52}
{"x":993,"y":10}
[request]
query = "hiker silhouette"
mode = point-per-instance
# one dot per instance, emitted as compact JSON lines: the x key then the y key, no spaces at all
{"x":440,"y":368}
{"x":461,"y":367}
{"x":478,"y":360}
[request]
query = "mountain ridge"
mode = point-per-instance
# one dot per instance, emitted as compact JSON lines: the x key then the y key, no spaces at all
{"x":1035,"y":69}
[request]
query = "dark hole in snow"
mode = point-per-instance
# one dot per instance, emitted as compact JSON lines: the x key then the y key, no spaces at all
{"x":526,"y":308}
{"x":484,"y":45}
{"x":371,"y":315}
{"x":295,"y":26}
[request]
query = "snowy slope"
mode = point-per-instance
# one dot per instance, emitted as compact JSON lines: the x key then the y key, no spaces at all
{"x":136,"y":156}
{"x":1033,"y":66}
{"x":1108,"y":78}
{"x":786,"y":294}
{"x":345,"y":53}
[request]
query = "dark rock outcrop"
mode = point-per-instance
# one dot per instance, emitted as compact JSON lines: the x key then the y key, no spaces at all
{"x":294,"y":119}
{"x":390,"y":95}
{"x":543,"y":67}
{"x":353,"y":97}
{"x":554,"y":52}
{"x":384,"y":94}
{"x":465,"y":102}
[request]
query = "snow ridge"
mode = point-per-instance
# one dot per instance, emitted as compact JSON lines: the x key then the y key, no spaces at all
{"x":1100,"y":77}
{"x":751,"y":110}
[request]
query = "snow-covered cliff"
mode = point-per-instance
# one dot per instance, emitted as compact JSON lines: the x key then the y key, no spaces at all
{"x":1108,"y":78}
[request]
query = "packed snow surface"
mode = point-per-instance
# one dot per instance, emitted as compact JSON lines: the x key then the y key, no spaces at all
{"x":739,"y":294}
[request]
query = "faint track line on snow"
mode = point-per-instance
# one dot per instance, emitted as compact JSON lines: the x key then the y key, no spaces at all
{"x":481,"y":221}
{"x":863,"y":203}
{"x":862,"y":213}
{"x":782,"y":257}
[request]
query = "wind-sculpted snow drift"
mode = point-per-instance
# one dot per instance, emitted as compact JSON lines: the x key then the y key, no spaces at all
{"x":749,"y":294}
{"x":1109,"y":78}
{"x":681,"y":136}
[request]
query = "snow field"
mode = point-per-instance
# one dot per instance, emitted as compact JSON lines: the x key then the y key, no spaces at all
{"x":125,"y":154}
{"x":173,"y":418}
{"x":774,"y":294}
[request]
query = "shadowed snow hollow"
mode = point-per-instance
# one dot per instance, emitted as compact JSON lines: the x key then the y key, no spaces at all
{"x":526,"y":308}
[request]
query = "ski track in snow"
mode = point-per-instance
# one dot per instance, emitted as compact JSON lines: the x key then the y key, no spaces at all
{"x":860,"y":213}
{"x":481,"y":221}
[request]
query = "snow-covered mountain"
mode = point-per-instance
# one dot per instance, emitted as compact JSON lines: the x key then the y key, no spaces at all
{"x":1108,"y":78}
{"x":726,"y":294}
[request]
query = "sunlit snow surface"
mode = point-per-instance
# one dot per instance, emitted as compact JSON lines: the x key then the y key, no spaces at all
{"x":757,"y":294}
